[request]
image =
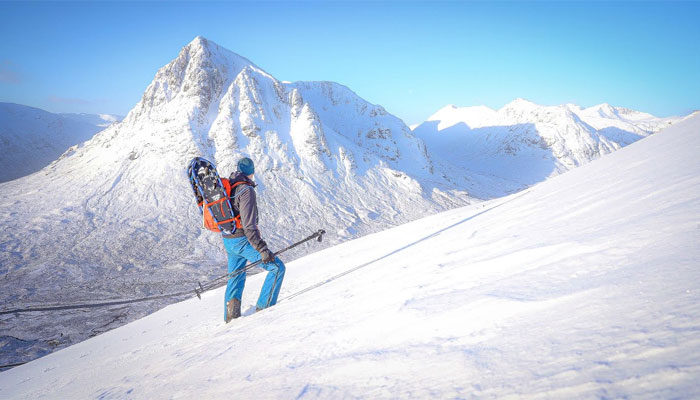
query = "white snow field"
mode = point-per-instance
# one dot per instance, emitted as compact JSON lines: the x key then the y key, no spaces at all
{"x":584,"y":286}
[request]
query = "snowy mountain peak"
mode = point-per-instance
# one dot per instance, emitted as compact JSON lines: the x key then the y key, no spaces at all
{"x":451,"y":115}
{"x":200,"y":41}
{"x":197,"y":77}
{"x":204,"y":50}
{"x":605,"y":110}
{"x":520,"y":104}
{"x":444,"y":111}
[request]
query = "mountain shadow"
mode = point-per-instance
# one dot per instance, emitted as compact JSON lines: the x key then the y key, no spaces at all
{"x":490,"y":161}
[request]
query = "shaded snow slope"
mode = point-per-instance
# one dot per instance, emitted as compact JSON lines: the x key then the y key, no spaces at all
{"x":585,"y":286}
{"x":31,"y":139}
{"x":120,"y":220}
{"x":524,"y":143}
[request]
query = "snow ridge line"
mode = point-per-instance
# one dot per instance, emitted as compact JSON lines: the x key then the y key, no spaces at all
{"x":340,"y":275}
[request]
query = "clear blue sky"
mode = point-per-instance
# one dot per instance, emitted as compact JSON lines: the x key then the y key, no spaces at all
{"x":411,"y":57}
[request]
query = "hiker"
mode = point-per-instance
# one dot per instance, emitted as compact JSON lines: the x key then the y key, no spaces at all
{"x":247,"y":245}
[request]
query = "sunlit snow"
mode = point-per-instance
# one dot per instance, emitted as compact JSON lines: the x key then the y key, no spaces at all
{"x":584,"y":286}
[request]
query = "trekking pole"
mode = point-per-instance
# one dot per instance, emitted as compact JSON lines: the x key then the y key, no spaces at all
{"x":318,"y":235}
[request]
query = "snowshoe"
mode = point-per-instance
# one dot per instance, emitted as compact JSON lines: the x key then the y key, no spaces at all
{"x":212,"y":196}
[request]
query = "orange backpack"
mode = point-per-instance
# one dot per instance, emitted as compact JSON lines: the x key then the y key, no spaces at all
{"x":209,"y":221}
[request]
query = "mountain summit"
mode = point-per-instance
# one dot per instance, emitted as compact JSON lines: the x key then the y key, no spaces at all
{"x":196,"y":77}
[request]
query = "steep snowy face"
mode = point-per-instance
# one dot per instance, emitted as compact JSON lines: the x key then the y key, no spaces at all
{"x":115,"y":216}
{"x":527,"y":143}
{"x":31,"y":138}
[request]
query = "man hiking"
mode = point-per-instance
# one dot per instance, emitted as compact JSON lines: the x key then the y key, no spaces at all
{"x":246,"y":245}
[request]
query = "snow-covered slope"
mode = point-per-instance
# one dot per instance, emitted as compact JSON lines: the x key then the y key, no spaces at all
{"x":585,"y":286}
{"x":525,"y":143}
{"x":31,"y":139}
{"x":115,"y":216}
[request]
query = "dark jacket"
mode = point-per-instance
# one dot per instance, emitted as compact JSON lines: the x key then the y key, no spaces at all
{"x":244,"y":202}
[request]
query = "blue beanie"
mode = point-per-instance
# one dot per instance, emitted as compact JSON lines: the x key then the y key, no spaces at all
{"x":246,"y":166}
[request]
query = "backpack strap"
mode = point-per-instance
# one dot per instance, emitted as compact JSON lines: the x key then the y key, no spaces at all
{"x":232,"y":189}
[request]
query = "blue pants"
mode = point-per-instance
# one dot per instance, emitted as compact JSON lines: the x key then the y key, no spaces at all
{"x":240,"y":251}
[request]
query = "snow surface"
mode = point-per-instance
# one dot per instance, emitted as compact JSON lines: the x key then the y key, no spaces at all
{"x":31,"y":138}
{"x":114,"y":217}
{"x":584,"y":286}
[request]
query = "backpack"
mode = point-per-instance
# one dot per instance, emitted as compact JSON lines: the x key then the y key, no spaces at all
{"x":208,"y":218}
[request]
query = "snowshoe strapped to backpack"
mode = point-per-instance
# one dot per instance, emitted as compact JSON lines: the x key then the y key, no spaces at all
{"x":212,"y":194}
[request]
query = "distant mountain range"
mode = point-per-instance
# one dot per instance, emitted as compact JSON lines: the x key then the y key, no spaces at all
{"x":525,"y":143}
{"x":31,"y":139}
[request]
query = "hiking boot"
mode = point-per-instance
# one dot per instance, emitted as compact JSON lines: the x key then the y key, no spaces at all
{"x":233,"y":309}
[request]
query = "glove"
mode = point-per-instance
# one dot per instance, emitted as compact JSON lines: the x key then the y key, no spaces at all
{"x":267,"y":256}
